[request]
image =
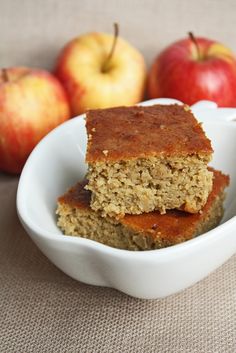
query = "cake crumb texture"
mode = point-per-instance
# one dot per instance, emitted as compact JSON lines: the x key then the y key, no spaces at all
{"x":144,"y":185}
{"x":138,"y":232}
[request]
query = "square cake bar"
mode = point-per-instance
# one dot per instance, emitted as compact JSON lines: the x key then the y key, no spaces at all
{"x":147,"y":158}
{"x":138,"y":232}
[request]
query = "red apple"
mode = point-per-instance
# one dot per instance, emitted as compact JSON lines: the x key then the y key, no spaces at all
{"x":194,"y":69}
{"x":32,"y":102}
{"x":99,"y":70}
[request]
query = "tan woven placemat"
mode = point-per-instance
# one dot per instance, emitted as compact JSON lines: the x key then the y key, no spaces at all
{"x":43,"y":310}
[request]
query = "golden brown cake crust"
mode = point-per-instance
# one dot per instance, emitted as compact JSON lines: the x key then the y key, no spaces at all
{"x":77,"y":196}
{"x":169,"y":226}
{"x":125,"y":133}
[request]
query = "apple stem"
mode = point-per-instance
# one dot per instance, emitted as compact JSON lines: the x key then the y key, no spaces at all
{"x":5,"y":75}
{"x":193,"y":39}
{"x":116,"y":33}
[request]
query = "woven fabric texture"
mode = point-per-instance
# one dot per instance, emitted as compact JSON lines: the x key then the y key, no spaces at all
{"x":44,"y":311}
{"x":33,"y":32}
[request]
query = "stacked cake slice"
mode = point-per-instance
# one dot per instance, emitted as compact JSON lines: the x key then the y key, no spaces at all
{"x":149,"y":185}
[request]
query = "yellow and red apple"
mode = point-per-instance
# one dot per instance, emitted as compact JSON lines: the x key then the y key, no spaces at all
{"x":194,"y":69}
{"x":32,"y":102}
{"x":98,"y":74}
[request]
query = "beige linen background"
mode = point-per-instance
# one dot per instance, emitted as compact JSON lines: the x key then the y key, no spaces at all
{"x":33,"y":31}
{"x":41,"y":309}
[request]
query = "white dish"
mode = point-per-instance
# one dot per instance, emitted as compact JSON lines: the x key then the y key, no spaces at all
{"x":57,"y":162}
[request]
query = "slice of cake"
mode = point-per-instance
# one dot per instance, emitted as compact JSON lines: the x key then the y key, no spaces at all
{"x":138,"y":232}
{"x":147,"y":158}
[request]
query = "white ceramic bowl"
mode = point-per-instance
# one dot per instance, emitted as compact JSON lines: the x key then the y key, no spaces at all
{"x":57,"y":162}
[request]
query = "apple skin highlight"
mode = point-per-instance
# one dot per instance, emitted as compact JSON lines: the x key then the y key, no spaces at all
{"x":32,"y":102}
{"x":178,"y":72}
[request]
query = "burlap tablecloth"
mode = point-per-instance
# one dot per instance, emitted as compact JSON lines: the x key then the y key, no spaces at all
{"x":44,"y":311}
